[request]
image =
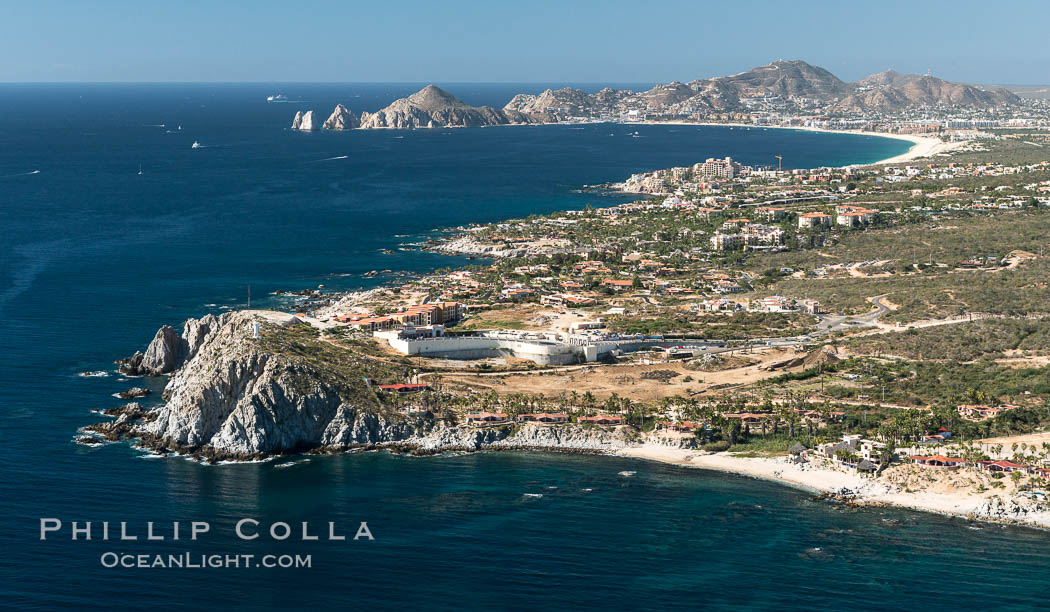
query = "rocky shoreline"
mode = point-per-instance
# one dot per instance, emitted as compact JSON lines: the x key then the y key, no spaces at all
{"x":435,"y":441}
{"x":232,"y":396}
{"x":466,"y":244}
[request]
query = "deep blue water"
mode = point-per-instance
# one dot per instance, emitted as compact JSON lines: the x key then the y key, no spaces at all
{"x":94,"y":257}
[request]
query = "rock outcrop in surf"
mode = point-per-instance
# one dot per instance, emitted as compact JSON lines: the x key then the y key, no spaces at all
{"x":304,"y":122}
{"x":168,"y":350}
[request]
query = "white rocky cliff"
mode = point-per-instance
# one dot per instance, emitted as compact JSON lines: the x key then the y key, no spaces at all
{"x":304,"y":121}
{"x":342,"y":118}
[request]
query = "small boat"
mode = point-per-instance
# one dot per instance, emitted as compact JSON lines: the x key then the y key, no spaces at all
{"x":195,"y":145}
{"x":140,"y":169}
{"x":276,"y":98}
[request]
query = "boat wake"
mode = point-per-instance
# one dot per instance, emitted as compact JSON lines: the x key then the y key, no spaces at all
{"x":333,"y":158}
{"x":30,"y":173}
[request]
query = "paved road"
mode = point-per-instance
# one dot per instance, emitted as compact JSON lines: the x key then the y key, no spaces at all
{"x":832,"y":323}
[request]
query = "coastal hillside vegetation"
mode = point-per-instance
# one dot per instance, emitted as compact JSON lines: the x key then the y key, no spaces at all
{"x":979,"y":339}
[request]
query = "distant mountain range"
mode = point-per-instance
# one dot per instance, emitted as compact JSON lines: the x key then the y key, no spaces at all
{"x":890,"y":91}
{"x":788,"y":86}
{"x":795,"y":82}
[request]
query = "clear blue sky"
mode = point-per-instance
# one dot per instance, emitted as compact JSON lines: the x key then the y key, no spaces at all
{"x":1004,"y":41}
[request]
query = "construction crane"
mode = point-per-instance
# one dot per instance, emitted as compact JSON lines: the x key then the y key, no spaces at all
{"x":780,"y":162}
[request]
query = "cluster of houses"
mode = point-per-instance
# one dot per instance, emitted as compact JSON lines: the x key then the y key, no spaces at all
{"x":855,"y":452}
{"x":500,"y":418}
{"x":631,"y":263}
{"x":772,"y":303}
{"x":417,"y":315}
{"x":752,"y":420}
{"x":953,"y":170}
{"x":987,"y":465}
{"x":982,"y":412}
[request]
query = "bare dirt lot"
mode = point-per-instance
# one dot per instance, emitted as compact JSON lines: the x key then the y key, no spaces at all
{"x":625,"y":380}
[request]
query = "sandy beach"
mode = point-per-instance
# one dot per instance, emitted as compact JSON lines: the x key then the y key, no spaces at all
{"x":922,"y":146}
{"x":938,"y":497}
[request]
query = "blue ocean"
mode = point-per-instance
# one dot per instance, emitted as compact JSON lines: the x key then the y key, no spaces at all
{"x":112,"y":225}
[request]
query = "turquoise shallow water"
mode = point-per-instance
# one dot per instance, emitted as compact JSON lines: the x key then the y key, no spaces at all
{"x":93,"y":257}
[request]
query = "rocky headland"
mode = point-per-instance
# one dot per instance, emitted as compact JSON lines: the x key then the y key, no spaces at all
{"x":233,"y":396}
{"x":429,"y":107}
{"x":435,"y":107}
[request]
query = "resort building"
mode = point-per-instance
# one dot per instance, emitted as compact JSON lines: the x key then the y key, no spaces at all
{"x":937,"y":461}
{"x":814,"y":219}
{"x":1001,"y":466}
{"x":771,"y":213}
{"x":726,"y":242}
{"x":487,"y":417}
{"x":713,"y":169}
{"x":543,"y":418}
{"x":851,"y":216}
{"x":982,"y":412}
{"x":602,"y":419}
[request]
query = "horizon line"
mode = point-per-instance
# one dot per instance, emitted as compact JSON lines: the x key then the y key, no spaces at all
{"x":448,"y":82}
{"x":327,"y":82}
